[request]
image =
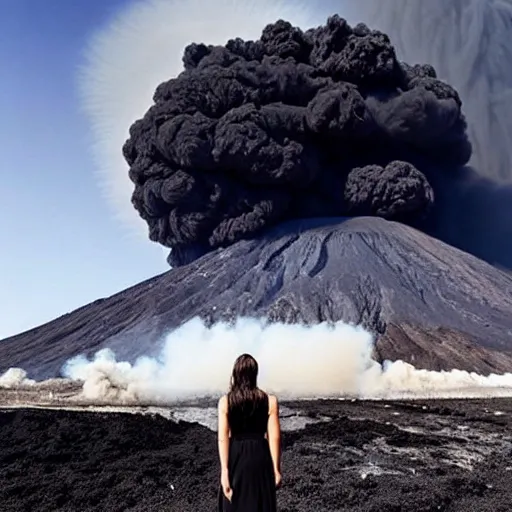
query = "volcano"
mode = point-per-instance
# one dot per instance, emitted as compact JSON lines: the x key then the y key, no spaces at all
{"x":307,"y":177}
{"x":426,"y":302}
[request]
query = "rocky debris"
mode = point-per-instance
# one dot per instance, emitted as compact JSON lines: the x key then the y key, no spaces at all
{"x":443,"y":455}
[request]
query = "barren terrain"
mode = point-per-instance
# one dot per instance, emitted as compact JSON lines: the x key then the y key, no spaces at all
{"x":437,"y":455}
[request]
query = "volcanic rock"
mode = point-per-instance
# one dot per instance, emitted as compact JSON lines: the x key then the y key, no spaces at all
{"x":426,"y":302}
{"x":449,"y":455}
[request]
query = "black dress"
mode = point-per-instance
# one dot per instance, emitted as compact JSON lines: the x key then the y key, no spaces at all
{"x":251,"y":472}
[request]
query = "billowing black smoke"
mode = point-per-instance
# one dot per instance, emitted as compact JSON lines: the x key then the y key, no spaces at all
{"x":304,"y":124}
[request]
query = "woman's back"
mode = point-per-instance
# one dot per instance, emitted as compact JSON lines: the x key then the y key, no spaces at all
{"x":249,"y":438}
{"x":248,"y":414}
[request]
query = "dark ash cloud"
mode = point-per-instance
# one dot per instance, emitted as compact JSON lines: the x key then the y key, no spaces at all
{"x":298,"y":124}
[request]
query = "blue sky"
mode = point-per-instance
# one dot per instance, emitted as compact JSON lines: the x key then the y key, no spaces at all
{"x":61,"y":247}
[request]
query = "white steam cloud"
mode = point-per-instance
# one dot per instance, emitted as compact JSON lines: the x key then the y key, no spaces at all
{"x":295,"y":362}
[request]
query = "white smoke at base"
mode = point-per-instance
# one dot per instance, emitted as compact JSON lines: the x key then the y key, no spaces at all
{"x":295,"y":362}
{"x":14,"y":378}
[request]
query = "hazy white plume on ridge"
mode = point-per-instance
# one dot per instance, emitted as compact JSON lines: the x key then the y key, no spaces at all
{"x":14,"y":378}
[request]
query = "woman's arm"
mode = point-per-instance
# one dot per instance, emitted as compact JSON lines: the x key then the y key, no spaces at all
{"x":223,"y":434}
{"x":223,"y":442}
{"x":274,"y":436}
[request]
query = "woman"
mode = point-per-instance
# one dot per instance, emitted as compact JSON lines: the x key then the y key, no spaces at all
{"x":249,"y":438}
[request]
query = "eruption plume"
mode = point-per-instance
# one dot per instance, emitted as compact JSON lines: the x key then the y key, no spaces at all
{"x":140,"y":48}
{"x":299,"y":124}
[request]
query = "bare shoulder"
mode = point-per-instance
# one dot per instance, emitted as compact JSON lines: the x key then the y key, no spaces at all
{"x":273,"y":403}
{"x":223,"y":403}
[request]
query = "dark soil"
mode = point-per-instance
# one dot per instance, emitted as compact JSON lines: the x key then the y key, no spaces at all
{"x":370,"y":456}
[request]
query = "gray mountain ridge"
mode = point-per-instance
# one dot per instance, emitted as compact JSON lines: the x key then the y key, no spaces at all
{"x":426,"y":302}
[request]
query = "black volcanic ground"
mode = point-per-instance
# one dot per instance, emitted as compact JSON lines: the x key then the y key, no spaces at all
{"x":427,"y":302}
{"x":423,"y":456}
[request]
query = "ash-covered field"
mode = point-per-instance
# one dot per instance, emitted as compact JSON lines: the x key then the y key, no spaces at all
{"x":424,"y":455}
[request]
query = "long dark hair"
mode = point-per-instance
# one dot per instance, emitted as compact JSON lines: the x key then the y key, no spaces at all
{"x":243,"y":389}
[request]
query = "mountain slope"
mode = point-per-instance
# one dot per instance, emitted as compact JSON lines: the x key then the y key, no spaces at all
{"x":427,"y":302}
